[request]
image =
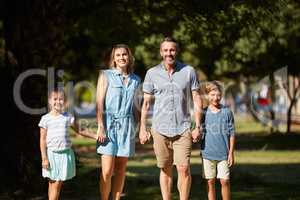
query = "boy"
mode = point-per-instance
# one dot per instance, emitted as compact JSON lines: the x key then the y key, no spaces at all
{"x":218,"y":144}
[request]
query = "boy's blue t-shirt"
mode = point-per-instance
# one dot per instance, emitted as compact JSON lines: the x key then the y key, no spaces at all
{"x":217,"y":129}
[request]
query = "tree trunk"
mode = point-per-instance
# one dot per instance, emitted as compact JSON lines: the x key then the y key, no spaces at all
{"x":293,"y":97}
{"x":289,"y":116}
{"x":33,"y":33}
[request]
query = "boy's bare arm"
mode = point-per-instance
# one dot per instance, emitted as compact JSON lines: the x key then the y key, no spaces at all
{"x":231,"y":150}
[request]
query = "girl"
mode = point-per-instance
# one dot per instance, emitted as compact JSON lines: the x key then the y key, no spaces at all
{"x":117,"y":115}
{"x":58,"y":161}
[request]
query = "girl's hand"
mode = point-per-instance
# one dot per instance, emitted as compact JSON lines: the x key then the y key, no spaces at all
{"x":230,"y":159}
{"x":101,"y":136}
{"x":45,"y":163}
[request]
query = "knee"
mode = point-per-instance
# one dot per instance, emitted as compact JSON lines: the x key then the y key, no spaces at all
{"x":211,"y":182}
{"x":183,"y":170}
{"x":224,"y":182}
{"x":107,"y":173}
{"x":166,"y":171}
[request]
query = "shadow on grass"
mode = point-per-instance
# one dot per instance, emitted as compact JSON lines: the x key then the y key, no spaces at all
{"x":249,"y":181}
{"x":268,"y":142}
{"x":261,"y":141}
{"x":261,"y":182}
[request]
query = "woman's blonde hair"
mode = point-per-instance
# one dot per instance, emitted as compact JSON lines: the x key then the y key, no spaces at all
{"x":112,"y":63}
{"x":213,"y":85}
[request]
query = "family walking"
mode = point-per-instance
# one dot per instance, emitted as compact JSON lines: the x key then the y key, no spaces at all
{"x":171,"y":86}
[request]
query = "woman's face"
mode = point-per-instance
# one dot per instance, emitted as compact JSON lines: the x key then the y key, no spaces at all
{"x":121,"y":58}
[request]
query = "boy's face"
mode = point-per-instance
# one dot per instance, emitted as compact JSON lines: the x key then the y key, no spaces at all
{"x":214,"y":97}
{"x":56,"y":101}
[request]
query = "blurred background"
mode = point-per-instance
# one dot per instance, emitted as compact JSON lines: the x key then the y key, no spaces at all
{"x":252,"y":47}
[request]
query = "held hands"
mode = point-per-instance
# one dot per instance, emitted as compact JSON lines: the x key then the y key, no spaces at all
{"x":101,"y":135}
{"x":45,"y":163}
{"x":144,"y":136}
{"x":196,"y":134}
{"x":230,"y":159}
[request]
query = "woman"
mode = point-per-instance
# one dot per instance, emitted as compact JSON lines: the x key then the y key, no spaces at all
{"x":117,"y":115}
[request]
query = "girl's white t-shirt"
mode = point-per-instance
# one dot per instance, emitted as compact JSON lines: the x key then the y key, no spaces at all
{"x":58,"y":138}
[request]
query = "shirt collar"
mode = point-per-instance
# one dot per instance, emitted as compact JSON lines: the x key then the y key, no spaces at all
{"x":176,"y":68}
{"x":117,"y":72}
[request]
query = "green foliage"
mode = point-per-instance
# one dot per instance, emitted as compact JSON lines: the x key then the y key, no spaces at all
{"x":224,"y":39}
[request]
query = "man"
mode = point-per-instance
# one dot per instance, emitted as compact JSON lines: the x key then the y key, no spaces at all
{"x":171,"y":84}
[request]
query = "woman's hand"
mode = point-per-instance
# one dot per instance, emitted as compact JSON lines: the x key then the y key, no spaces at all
{"x":101,"y":135}
{"x":144,"y":136}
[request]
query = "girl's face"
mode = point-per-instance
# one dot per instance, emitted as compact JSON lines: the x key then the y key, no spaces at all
{"x":121,"y":58}
{"x":214,"y":97}
{"x":56,"y":101}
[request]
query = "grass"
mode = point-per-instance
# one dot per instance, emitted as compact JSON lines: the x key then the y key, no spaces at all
{"x":259,"y":174}
{"x":267,"y":168}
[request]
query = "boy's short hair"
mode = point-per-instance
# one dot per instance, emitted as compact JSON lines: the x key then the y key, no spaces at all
{"x":213,"y":85}
{"x":56,"y":91}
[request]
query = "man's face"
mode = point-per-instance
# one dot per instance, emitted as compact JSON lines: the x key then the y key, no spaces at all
{"x":168,"y":52}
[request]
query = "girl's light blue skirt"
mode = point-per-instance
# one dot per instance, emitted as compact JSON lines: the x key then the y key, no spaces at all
{"x":62,"y":165}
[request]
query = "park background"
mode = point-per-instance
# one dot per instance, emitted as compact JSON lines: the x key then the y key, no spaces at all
{"x":251,"y":46}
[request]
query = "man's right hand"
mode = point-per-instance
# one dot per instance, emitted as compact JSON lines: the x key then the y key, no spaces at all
{"x":144,"y":136}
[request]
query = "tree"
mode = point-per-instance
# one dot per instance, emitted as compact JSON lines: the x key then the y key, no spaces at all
{"x":33,"y":37}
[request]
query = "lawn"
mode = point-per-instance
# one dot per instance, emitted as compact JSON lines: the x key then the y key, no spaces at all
{"x":267,"y":167}
{"x":258,"y":174}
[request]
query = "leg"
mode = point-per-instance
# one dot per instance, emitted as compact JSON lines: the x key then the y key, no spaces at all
{"x":224,"y":175}
{"x":119,"y":177}
{"x":182,"y":153}
{"x":184,"y":181}
{"x":209,"y":169}
{"x":164,"y":156}
{"x":107,"y":165}
{"x":54,"y":189}
{"x":166,"y":180}
{"x":225,"y":189}
{"x":211,"y":189}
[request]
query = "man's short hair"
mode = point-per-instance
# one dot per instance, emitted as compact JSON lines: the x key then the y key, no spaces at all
{"x":169,"y":39}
